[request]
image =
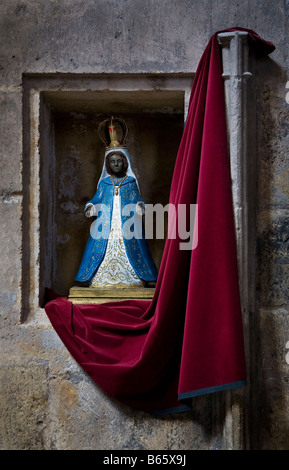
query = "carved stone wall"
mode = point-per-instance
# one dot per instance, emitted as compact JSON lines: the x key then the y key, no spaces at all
{"x":47,"y":401}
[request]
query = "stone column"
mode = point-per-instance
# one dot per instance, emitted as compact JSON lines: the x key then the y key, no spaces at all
{"x":241,"y":142}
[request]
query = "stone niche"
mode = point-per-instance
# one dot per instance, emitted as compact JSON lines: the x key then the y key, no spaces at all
{"x":63,"y":158}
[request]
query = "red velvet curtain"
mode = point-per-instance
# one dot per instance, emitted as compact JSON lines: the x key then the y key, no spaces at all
{"x":155,"y":356}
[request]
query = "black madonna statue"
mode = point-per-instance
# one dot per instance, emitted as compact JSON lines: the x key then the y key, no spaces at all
{"x":116,"y":253}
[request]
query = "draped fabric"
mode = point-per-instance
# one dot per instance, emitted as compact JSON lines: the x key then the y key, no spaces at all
{"x":156,"y":355}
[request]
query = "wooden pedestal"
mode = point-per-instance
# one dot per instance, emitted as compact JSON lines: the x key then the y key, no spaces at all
{"x":100,"y":295}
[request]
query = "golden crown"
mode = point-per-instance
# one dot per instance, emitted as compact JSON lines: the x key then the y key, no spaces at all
{"x":113,"y":132}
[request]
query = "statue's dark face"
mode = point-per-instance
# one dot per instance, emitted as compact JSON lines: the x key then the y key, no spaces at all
{"x":116,"y":164}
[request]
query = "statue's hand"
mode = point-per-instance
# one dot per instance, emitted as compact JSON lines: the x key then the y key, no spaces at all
{"x":89,"y":210}
{"x":140,"y":208}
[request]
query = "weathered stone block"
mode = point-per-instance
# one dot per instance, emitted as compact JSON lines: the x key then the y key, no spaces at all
{"x":126,"y":25}
{"x":273,"y":259}
{"x":274,"y":176}
{"x":23,"y":403}
{"x":273,"y":380}
{"x":275,"y":335}
{"x":83,"y":417}
{"x":11,"y":142}
{"x":273,"y":136}
{"x":10,"y":253}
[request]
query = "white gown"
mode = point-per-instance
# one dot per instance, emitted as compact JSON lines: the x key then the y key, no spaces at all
{"x":115,"y":269}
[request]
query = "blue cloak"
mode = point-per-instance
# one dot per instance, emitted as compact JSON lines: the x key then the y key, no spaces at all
{"x":137,"y":249}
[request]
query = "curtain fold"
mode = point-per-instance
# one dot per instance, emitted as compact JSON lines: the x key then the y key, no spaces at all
{"x":156,"y":355}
